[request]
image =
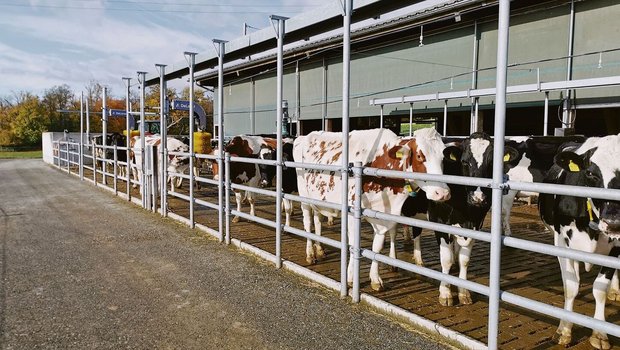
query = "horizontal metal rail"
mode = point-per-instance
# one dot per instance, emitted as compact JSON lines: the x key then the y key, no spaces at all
{"x":179,"y":195}
{"x":451,"y":179}
{"x":253,"y":161}
{"x":311,"y":166}
{"x":316,"y":202}
{"x":516,"y":89}
{"x":253,"y":190}
{"x":206,"y":204}
{"x":253,"y":218}
{"x":205,"y":156}
{"x":206,"y":180}
{"x":567,"y":190}
{"x":301,"y":233}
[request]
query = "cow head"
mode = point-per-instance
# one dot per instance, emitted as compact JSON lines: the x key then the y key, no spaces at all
{"x":598,"y":167}
{"x":239,"y":146}
{"x":267,"y":172}
{"x":423,"y":154}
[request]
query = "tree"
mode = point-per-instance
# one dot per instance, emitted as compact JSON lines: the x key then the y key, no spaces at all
{"x":56,"y":99}
{"x":27,"y":121}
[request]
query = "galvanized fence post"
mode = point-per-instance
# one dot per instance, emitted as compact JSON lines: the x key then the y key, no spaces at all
{"x":94,"y":156}
{"x":357,"y":225}
{"x":68,"y":157}
{"x":227,"y":195}
{"x":115,"y":169}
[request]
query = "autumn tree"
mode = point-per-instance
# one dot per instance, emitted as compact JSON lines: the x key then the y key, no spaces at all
{"x":26,"y":121}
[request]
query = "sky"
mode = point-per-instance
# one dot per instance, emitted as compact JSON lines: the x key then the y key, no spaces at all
{"x":46,"y":43}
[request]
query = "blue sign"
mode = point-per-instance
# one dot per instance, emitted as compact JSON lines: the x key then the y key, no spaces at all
{"x":117,"y":113}
{"x":180,"y":105}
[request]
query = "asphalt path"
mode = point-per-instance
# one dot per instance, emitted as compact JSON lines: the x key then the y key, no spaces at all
{"x":82,"y":269}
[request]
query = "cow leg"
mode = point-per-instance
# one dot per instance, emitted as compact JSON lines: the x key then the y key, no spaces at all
{"x":613,"y":293}
{"x":288,"y":210}
{"x":599,"y":339}
{"x":307,"y":214}
{"x":407,"y":234}
{"x":507,"y":202}
{"x":250,"y":197}
{"x":238,"y":200}
{"x":179,"y":182}
{"x":318,"y":249}
{"x":446,"y":256}
{"x":570,"y":280}
{"x":417,"y":248}
{"x":330,"y":220}
{"x":377,"y":244}
{"x":393,"y":247}
{"x":465,"y":246}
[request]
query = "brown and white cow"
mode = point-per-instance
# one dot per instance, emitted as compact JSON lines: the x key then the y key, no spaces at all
{"x":176,"y":163}
{"x":378,"y":148}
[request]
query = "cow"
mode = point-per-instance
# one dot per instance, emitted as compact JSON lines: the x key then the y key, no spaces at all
{"x":586,"y":224}
{"x":466,"y":207}
{"x":534,"y":161}
{"x":289,"y":175}
{"x":242,"y":174}
{"x":377,"y":148}
{"x":113,"y":139}
{"x":176,"y":163}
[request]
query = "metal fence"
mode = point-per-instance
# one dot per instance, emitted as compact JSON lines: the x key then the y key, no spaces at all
{"x":352,"y":250}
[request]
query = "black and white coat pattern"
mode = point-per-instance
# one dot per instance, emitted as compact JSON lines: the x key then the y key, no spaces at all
{"x":594,"y":164}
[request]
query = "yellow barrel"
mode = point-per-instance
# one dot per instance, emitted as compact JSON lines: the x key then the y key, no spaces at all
{"x":133,"y":133}
{"x":202,"y":142}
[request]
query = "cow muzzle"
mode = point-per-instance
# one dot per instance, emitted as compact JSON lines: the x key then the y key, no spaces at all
{"x":437,"y":193}
{"x":476,"y":198}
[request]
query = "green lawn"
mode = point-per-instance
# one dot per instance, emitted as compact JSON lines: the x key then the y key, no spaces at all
{"x":21,"y":154}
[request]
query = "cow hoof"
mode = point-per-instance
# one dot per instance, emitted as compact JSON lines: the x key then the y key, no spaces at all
{"x":613,"y":295}
{"x":376,"y":286}
{"x":311,"y":260}
{"x":235,"y":219}
{"x":599,"y":341}
{"x":445,"y":301}
{"x":330,"y":222}
{"x":418,"y":262}
{"x":465,"y":299}
{"x":320,"y":253}
{"x":562,"y":339}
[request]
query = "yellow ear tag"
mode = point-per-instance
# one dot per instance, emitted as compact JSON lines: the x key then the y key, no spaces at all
{"x":589,"y":207}
{"x":506,"y":157}
{"x":452,"y":156}
{"x":399,"y":154}
{"x":572,"y":166}
{"x":408,"y":188}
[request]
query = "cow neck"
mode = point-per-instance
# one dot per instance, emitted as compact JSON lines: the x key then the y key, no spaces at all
{"x":385,"y":161}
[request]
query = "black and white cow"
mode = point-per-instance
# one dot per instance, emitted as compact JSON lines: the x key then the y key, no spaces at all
{"x":594,"y":164}
{"x":289,"y":175}
{"x":113,"y":139}
{"x":466,"y":208}
{"x":532,"y":164}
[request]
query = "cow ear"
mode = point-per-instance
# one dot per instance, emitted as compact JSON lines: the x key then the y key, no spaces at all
{"x":510,"y":154}
{"x":569,"y":161}
{"x":452,"y":153}
{"x":399,"y":152}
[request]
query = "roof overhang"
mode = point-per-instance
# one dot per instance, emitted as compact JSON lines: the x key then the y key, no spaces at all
{"x":305,"y":25}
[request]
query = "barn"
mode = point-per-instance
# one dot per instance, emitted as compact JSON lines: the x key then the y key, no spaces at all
{"x":439,"y":46}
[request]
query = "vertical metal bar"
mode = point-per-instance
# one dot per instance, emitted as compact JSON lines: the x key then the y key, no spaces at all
{"x":253,"y":107}
{"x":94,"y":156}
{"x":227,"y":197}
{"x":498,"y":172}
{"x":143,"y":184}
{"x":566,"y":115}
{"x":280,"y":32}
{"x":474,"y":82}
{"x":546,"y":122}
{"x":104,"y":141}
{"x":163,"y":108}
{"x":220,"y":134}
{"x":68,"y":158}
{"x":128,"y":137}
{"x":476,"y":108}
{"x":410,"y":119}
{"x":357,"y":215}
{"x":344,"y":174}
{"x":115,"y":169}
{"x":445,"y":118}
{"x":381,"y":118}
{"x":81,"y":149}
{"x":154,"y":171}
{"x":324,"y":105}
{"x":192,"y":62}
{"x":87,"y":122}
{"x":297,"y":98}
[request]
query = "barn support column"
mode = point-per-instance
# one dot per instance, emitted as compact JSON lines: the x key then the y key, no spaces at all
{"x":324,"y":106}
{"x":191,"y":58}
{"x":104,"y":141}
{"x":253,"y":106}
{"x":220,"y":49}
{"x":381,"y":118}
{"x":344,"y":174}
{"x":163,"y":145}
{"x":568,"y":117}
{"x":280,"y":32}
{"x":546,"y":119}
{"x":141,"y":79}
{"x":498,"y":172}
{"x":410,"y":119}
{"x":445,"y":118}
